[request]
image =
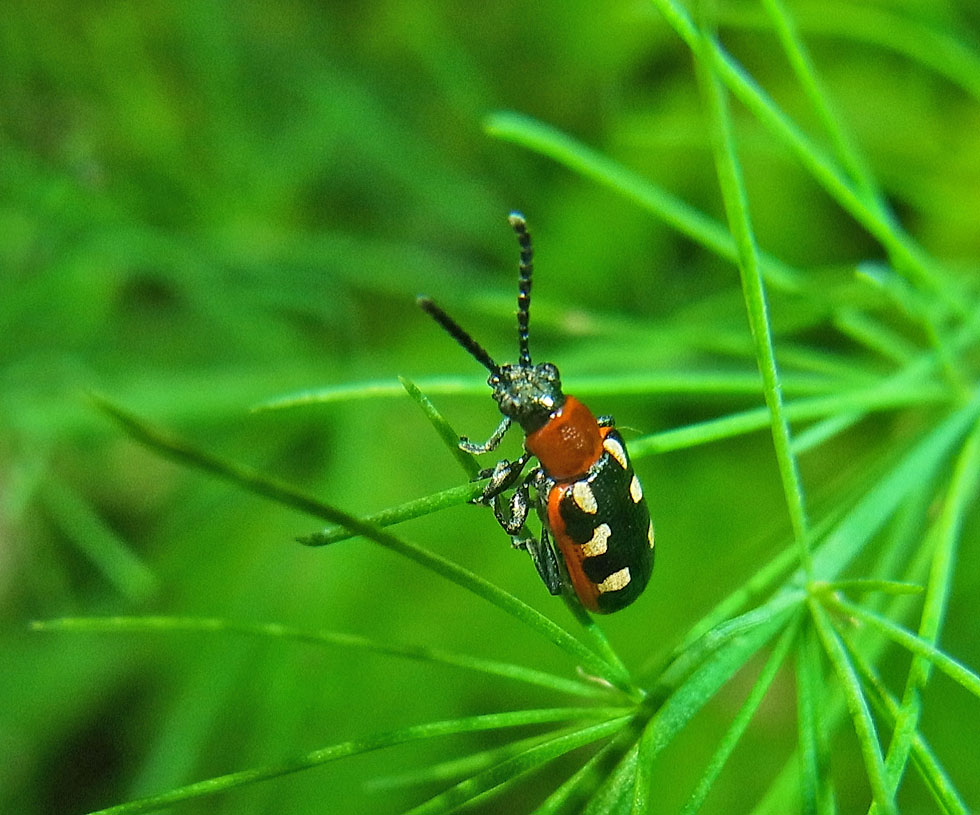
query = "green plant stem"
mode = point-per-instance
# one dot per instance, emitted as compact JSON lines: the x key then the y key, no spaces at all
{"x":864,"y":728}
{"x":744,"y":716}
{"x":816,"y":784}
{"x":906,"y":256}
{"x":504,"y":773}
{"x":799,"y":60}
{"x":562,"y":148}
{"x":212,"y":625}
{"x":961,"y":496}
{"x":472,"y":724}
{"x":736,"y":206}
{"x":926,"y":762}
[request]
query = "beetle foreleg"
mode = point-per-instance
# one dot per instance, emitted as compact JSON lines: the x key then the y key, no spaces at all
{"x":490,"y":444}
{"x":502,"y":477}
{"x":513,"y":520}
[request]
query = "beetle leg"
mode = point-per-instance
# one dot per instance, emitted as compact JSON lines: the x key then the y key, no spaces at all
{"x":544,"y":559}
{"x":502,"y":477}
{"x":513,"y":519}
{"x":605,"y":421}
{"x":490,"y":444}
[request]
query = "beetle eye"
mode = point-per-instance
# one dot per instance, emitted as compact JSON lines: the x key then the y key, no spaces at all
{"x":550,"y":371}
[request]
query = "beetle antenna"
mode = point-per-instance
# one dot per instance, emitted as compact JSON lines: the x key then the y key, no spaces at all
{"x":524,"y":285}
{"x":455,"y":330}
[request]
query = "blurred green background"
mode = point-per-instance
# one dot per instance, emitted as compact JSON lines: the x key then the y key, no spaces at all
{"x":207,"y":205}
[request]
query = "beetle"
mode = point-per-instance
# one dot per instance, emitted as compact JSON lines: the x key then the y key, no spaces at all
{"x":587,"y":495}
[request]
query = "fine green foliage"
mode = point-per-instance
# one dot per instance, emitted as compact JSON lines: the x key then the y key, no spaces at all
{"x":758,"y":260}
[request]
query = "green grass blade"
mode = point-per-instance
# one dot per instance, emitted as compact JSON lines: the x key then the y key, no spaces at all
{"x":562,"y":148}
{"x":454,"y":496}
{"x":694,"y":652}
{"x":875,"y":336}
{"x":864,"y":585}
{"x":506,"y":772}
{"x":255,"y":482}
{"x":696,"y":687}
{"x":960,"y":498}
{"x":470,"y":764}
{"x":893,"y":30}
{"x":120,"y":566}
{"x":373,"y":389}
{"x":926,"y":761}
{"x":914,"y":644}
{"x":815,"y":782}
{"x":613,"y":795}
{"x":823,"y":431}
{"x":885,"y":396}
{"x":864,"y":728}
{"x":906,"y":255}
{"x":571,"y":794}
{"x":449,"y":436}
{"x":736,"y":206}
{"x":592,"y":630}
{"x":880,"y":502}
{"x":742,"y":719}
{"x":211,"y":625}
{"x":314,"y":758}
{"x":800,"y":62}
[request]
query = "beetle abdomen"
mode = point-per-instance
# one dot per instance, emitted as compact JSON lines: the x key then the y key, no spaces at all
{"x":602,"y":527}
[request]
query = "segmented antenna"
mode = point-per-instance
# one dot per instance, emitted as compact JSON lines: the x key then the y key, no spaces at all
{"x":457,"y":333}
{"x":524,"y":285}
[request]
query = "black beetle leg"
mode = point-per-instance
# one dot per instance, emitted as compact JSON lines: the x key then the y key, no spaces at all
{"x":513,"y":520}
{"x":544,"y":559}
{"x":490,"y":444}
{"x":606,"y":421}
{"x":502,"y":477}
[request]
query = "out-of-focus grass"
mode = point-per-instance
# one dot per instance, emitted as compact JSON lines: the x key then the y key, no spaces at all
{"x":208,"y":208}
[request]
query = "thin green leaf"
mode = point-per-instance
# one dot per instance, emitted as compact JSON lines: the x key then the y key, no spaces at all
{"x":507,"y":771}
{"x":815,"y":782}
{"x":887,"y":495}
{"x":875,"y":336}
{"x":454,"y":496}
{"x":562,"y":148}
{"x":865,"y":400}
{"x":642,"y":383}
{"x":864,"y":728}
{"x":643,"y":777}
{"x":449,"y":436}
{"x":799,"y":60}
{"x":212,"y":625}
{"x":695,"y":652}
{"x":613,"y":795}
{"x":374,"y":389}
{"x":255,"y":482}
{"x":913,"y":643}
{"x":822,"y":431}
{"x":906,"y":255}
{"x":600,"y":643}
{"x":961,"y":495}
{"x":472,"y":724}
{"x":865,"y":585}
{"x":470,"y":764}
{"x":893,"y":29}
{"x":119,"y":565}
{"x":737,"y":208}
{"x":572,"y":794}
{"x":742,"y":719}
{"x":926,"y":762}
{"x":672,"y":713}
